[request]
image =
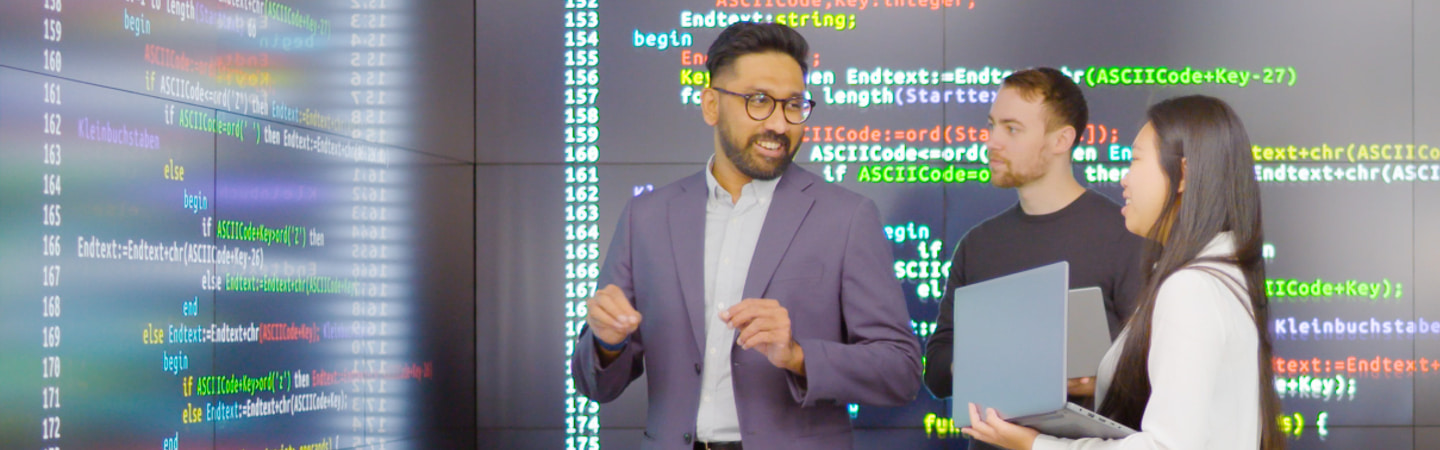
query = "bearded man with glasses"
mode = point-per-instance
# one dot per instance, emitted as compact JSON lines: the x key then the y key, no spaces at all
{"x":758,"y":299}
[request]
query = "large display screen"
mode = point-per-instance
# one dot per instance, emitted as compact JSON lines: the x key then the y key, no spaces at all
{"x":1338,"y":99}
{"x":234,"y":224}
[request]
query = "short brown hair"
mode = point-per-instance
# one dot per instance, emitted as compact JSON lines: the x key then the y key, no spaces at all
{"x":1057,"y":92}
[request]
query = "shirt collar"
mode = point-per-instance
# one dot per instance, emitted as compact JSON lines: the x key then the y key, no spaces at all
{"x":763,"y":190}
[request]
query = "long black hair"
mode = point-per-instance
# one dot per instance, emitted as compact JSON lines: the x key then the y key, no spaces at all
{"x":1206,"y":137}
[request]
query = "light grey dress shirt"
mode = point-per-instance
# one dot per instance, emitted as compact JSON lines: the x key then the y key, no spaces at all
{"x":732,"y":228}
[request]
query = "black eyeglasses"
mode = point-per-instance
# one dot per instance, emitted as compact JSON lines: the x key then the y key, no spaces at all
{"x":760,"y":106}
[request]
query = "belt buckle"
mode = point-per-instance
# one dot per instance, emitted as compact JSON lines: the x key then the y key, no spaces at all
{"x":716,"y":445}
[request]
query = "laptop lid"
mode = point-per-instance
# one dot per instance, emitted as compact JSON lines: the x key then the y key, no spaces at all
{"x":1087,"y":332}
{"x":1010,"y":343}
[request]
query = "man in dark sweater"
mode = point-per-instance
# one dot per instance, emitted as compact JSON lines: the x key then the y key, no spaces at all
{"x":1035,"y":121}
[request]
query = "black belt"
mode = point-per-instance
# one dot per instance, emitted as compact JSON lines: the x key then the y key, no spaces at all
{"x":718,"y":445}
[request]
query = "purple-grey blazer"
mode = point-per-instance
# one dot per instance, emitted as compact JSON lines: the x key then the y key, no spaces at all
{"x":821,"y":254}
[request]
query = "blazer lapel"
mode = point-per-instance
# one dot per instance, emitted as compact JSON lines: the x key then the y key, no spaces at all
{"x":687,"y":238}
{"x":782,"y":221}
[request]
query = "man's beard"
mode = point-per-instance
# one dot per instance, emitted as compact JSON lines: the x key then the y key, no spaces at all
{"x":753,"y":165}
{"x":1015,"y":176}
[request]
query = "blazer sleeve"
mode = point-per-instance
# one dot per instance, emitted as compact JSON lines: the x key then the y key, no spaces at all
{"x":880,"y":363}
{"x":603,"y":383}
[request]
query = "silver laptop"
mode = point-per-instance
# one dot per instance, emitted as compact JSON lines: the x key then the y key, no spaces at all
{"x":1010,"y":348}
{"x":1087,"y":332}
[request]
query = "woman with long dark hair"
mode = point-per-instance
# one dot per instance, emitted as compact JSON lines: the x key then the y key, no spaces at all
{"x":1191,"y":370}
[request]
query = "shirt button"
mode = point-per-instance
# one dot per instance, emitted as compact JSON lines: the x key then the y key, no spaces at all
{"x":712,"y":350}
{"x":705,"y":399}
